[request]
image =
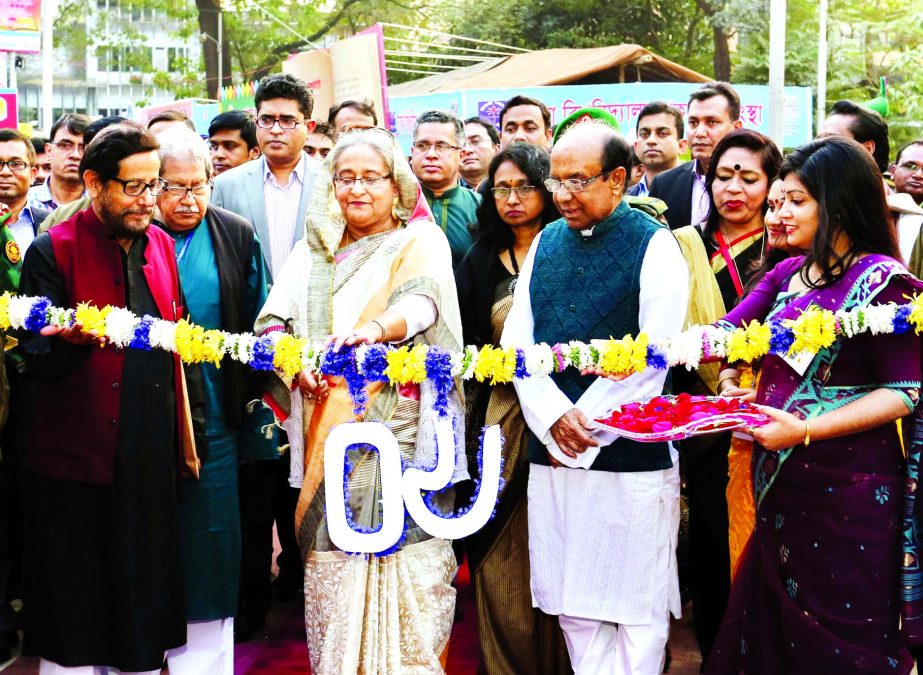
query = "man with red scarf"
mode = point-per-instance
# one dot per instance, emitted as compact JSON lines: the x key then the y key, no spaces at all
{"x":109,"y":432}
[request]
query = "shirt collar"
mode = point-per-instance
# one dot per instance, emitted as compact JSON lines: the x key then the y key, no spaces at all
{"x":697,"y":171}
{"x":297,"y":172}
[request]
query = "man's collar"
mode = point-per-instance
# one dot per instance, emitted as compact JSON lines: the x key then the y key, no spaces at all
{"x":696,"y":170}
{"x":297,"y":172}
{"x":608,"y":222}
{"x":446,"y":194}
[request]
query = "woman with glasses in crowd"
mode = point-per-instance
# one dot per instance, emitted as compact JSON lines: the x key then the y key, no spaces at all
{"x":514,"y":637}
{"x":832,"y":559}
{"x":373,"y":267}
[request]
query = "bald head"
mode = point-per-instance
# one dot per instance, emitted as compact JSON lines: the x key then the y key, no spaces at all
{"x":598,"y":157}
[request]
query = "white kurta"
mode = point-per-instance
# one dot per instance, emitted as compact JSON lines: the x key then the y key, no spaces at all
{"x":596,"y":538}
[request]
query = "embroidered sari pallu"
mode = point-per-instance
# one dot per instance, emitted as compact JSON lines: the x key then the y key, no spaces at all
{"x":828,"y":582}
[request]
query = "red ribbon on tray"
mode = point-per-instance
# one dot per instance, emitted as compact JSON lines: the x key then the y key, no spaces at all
{"x":673,"y":418}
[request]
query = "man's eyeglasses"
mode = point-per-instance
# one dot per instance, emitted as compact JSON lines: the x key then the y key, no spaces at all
{"x":370,"y":182}
{"x":441,"y":147}
{"x":912,"y":167}
{"x":571,"y":184}
{"x":284,"y":122}
{"x":69,"y":146}
{"x":521,"y":191}
{"x":16,"y":165}
{"x":136,"y":188}
{"x":180,"y":191}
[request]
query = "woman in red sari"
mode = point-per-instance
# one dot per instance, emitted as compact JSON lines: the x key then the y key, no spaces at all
{"x":828,"y":569}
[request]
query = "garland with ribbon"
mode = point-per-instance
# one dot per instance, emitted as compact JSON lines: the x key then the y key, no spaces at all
{"x":813,"y":330}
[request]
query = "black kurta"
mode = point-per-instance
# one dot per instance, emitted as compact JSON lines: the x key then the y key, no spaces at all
{"x":102,"y":565}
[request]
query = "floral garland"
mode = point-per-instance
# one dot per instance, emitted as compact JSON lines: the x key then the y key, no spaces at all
{"x":813,"y":330}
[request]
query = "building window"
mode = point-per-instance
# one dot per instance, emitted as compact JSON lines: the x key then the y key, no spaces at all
{"x":176,"y":59}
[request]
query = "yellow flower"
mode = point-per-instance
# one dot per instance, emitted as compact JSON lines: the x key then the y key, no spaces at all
{"x":212,"y":347}
{"x":416,"y":364}
{"x":397,"y":370}
{"x":287,"y":357}
{"x":5,"y":310}
{"x":624,"y":357}
{"x":92,"y":318}
{"x":814,"y":330}
{"x":748,"y":343}
{"x":915,"y":318}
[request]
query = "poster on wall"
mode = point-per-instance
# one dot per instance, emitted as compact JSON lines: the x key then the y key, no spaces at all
{"x":624,"y":101}
{"x":9,"y":109}
{"x":21,"y":26}
{"x":350,"y":69}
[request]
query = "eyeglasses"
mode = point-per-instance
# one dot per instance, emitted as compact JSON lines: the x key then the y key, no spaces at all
{"x":521,"y":191}
{"x":69,"y":146}
{"x":571,"y":184}
{"x":369,"y":182}
{"x":284,"y":122}
{"x":912,"y":167}
{"x":180,"y":191}
{"x":16,"y":165}
{"x":441,"y":147}
{"x":475,"y":142}
{"x":136,"y":188}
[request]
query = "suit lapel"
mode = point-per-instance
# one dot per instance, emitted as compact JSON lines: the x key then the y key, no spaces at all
{"x":307,"y":187}
{"x":253,"y":187}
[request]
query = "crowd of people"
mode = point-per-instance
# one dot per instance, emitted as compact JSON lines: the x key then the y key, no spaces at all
{"x":139,"y":495}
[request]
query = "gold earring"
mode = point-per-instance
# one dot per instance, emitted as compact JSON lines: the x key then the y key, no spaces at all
{"x":394,"y":214}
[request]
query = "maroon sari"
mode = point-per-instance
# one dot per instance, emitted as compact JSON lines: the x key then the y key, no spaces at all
{"x":819,"y":583}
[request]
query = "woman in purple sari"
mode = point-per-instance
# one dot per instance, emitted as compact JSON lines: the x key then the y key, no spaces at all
{"x":830,"y":571}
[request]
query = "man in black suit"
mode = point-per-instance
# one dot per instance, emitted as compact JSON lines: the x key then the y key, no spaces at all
{"x":20,"y":222}
{"x":713,"y":112}
{"x":659,"y":143}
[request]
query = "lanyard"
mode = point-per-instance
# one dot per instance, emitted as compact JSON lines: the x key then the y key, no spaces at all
{"x":182,"y":250}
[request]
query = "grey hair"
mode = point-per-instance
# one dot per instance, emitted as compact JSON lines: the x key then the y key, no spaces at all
{"x":182,"y":144}
{"x":383,"y":143}
{"x":441,"y":117}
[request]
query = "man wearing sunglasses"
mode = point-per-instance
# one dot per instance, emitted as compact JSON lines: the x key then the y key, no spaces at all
{"x":64,"y":151}
{"x":106,"y":441}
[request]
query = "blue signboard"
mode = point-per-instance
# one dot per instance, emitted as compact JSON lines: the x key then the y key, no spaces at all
{"x":624,"y":101}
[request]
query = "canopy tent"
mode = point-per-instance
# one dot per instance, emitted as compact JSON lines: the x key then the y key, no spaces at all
{"x":599,"y":65}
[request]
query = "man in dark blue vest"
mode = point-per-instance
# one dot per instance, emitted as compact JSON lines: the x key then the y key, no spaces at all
{"x":603,"y":512}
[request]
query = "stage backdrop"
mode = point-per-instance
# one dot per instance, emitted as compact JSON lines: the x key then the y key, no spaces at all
{"x":622,"y":100}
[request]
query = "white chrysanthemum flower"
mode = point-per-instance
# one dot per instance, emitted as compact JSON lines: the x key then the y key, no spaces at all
{"x":717,"y":340}
{"x":360,"y":358}
{"x":456,"y":359}
{"x":685,"y":349}
{"x":585,"y":358}
{"x":471,"y":356}
{"x":880,"y":319}
{"x":120,"y":326}
{"x":58,"y":316}
{"x":19,"y":308}
{"x":312,"y":355}
{"x":163,"y":335}
{"x":540,"y":360}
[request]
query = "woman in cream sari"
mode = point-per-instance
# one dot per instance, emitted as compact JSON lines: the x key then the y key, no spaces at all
{"x":372,"y":267}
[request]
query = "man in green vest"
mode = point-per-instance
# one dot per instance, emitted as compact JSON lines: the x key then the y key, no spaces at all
{"x":438,"y":138}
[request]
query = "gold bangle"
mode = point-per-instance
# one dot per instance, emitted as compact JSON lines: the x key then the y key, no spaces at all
{"x":807,"y":434}
{"x":381,"y":326}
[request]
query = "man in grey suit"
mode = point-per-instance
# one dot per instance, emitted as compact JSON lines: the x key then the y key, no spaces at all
{"x":272,"y":193}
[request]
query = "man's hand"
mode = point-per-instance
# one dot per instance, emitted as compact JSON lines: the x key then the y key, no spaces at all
{"x":572,"y":433}
{"x":75,"y":335}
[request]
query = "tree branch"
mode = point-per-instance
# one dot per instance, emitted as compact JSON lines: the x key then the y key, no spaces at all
{"x":331,"y":23}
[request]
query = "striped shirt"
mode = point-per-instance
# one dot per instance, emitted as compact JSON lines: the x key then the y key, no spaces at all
{"x":282,"y":213}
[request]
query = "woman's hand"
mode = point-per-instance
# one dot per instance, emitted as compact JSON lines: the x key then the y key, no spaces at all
{"x":366,"y":334}
{"x":599,"y":372}
{"x":745,"y":395}
{"x":783,"y":431}
{"x":312,"y":387}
